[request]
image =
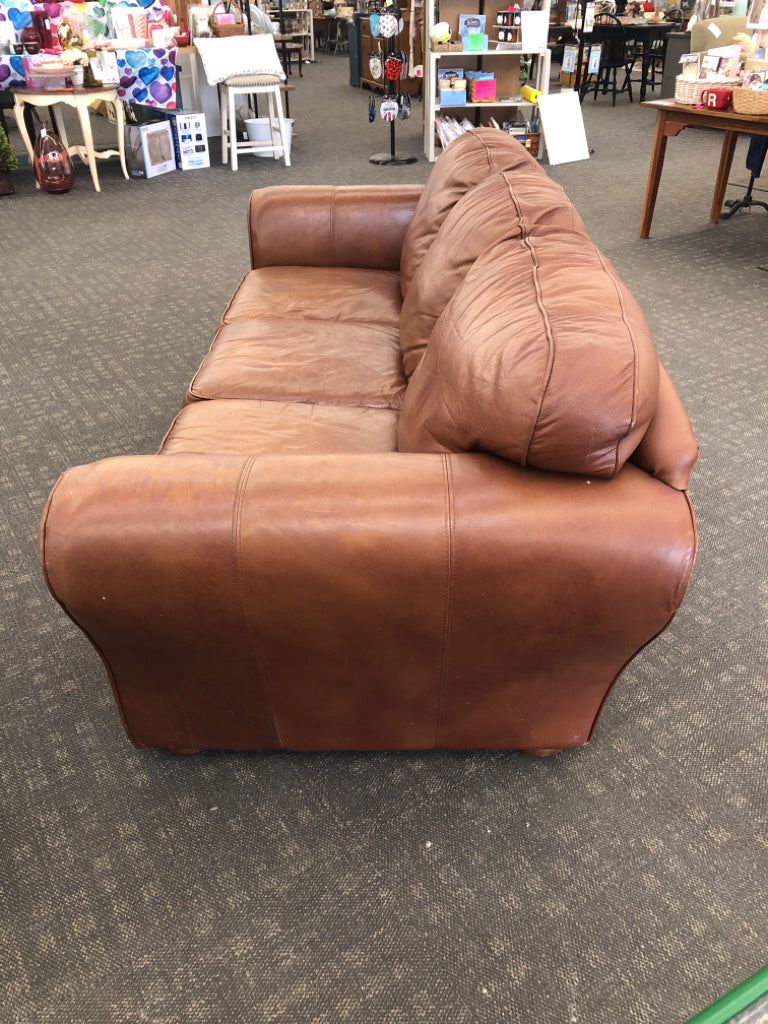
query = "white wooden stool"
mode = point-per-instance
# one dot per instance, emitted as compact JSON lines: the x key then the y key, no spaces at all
{"x":253,"y":85}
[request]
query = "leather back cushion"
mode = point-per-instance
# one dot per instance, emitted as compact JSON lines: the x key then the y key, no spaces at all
{"x":468,"y":159}
{"x":505,"y":205}
{"x":542,"y":357}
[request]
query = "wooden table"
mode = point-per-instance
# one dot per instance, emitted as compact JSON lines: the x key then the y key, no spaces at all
{"x":81,"y":100}
{"x":647,"y":33}
{"x":671,"y":119}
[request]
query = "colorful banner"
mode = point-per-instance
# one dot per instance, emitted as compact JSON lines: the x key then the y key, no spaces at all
{"x":147,"y":76}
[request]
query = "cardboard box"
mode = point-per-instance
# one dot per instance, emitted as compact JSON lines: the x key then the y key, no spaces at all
{"x":149,"y":149}
{"x":481,"y":87}
{"x":190,"y":139}
{"x":452,"y":87}
{"x":456,"y":96}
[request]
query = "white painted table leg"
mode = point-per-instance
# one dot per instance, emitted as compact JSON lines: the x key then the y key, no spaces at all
{"x":85,"y":125}
{"x":120,"y":122}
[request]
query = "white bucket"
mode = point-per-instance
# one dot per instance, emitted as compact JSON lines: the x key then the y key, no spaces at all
{"x":258,"y":131}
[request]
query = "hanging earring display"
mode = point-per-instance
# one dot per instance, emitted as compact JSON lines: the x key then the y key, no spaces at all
{"x":371,"y":110}
{"x":392,"y":64}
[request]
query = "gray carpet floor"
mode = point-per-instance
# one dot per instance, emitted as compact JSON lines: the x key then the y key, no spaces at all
{"x":624,"y":882}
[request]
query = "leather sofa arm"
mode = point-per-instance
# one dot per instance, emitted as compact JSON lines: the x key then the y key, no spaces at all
{"x":668,"y":449}
{"x":363,"y":601}
{"x":325,"y":226}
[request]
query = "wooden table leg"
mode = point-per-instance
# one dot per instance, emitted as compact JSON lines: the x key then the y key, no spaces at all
{"x":726,"y":157}
{"x":654,"y":174}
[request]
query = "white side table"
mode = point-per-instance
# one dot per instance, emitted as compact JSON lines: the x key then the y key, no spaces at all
{"x":81,"y":100}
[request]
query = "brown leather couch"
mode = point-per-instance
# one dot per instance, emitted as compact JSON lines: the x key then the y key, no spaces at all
{"x":427,"y":489}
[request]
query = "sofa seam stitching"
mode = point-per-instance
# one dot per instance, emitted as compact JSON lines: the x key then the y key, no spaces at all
{"x":635,"y":362}
{"x":237,"y":518}
{"x":527,"y":242}
{"x":449,"y":583}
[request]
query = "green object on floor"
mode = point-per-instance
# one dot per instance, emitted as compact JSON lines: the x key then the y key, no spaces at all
{"x":735,"y":1001}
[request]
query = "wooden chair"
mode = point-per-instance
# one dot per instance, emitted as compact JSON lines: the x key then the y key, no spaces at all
{"x":615,"y":57}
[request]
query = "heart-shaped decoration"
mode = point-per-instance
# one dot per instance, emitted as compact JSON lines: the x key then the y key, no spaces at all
{"x":148,"y":75}
{"x":136,"y":58}
{"x":19,"y":19}
{"x":167,"y":72}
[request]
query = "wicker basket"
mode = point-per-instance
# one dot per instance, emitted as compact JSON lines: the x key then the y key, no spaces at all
{"x":750,"y":101}
{"x":755,"y":65}
{"x":221,"y":31}
{"x":689,"y":90}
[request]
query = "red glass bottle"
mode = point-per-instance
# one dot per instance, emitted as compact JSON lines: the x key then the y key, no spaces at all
{"x":30,"y":37}
{"x":53,"y":166}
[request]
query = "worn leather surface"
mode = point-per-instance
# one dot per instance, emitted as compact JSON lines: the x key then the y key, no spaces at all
{"x":363,"y":601}
{"x":467,"y":161}
{"x":336,"y":294}
{"x":668,"y":448}
{"x":505,"y":206}
{"x":249,"y":427}
{"x":558,"y":371}
{"x":281,"y":577}
{"x":303,"y":360}
{"x":330,"y":226}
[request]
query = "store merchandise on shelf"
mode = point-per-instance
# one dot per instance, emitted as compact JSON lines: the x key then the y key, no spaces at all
{"x":501,"y":60}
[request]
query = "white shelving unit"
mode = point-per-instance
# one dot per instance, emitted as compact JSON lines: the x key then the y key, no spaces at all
{"x":508,"y":60}
{"x":304,"y":27}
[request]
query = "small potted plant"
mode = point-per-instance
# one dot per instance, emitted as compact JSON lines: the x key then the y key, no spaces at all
{"x":8,"y":163}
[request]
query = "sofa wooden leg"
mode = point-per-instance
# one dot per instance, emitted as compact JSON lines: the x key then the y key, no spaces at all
{"x":542,"y":751}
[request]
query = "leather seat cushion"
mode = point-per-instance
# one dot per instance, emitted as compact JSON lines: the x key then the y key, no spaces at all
{"x":232,"y":427}
{"x":336,"y":294}
{"x":469,"y":158}
{"x":504,"y":206}
{"x":332,"y":362}
{"x":514,"y":368}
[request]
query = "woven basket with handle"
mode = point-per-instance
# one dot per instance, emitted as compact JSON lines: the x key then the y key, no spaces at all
{"x":220,"y":31}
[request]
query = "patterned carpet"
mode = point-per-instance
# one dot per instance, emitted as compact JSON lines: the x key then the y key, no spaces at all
{"x":625,"y":882}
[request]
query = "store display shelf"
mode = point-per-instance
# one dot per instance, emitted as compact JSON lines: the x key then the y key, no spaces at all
{"x":436,"y":55}
{"x":508,"y":102}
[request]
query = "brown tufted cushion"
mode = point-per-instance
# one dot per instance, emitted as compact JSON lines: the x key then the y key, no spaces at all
{"x":504,"y":205}
{"x":468,"y":159}
{"x":542,"y":357}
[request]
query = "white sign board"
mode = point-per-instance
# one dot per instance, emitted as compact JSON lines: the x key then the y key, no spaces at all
{"x":563,"y":127}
